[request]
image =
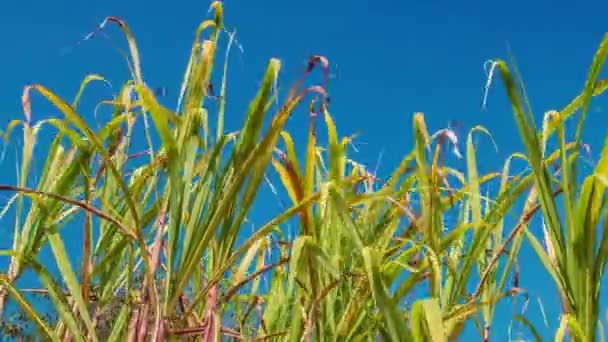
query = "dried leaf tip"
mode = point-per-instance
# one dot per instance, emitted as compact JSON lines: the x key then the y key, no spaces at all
{"x":314,"y":59}
{"x":587,"y":149}
{"x":26,"y":104}
{"x":453,"y":139}
{"x":489,"y":77}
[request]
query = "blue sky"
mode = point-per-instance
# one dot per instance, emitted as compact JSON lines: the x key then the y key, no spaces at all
{"x":394,"y":58}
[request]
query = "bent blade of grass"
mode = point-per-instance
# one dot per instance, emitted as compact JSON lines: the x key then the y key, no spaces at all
{"x":88,"y":79}
{"x":291,"y":152}
{"x":546,"y":260}
{"x":289,"y":180}
{"x":530,"y":327}
{"x":136,"y":65}
{"x":593,"y":87}
{"x":245,"y":263}
{"x":67,"y":110}
{"x":475,"y":191}
{"x":186,"y":82}
{"x":579,"y":242}
{"x":296,"y":256}
{"x":198,"y":90}
{"x":75,"y":118}
{"x":427,"y":323}
{"x":28,"y":309}
{"x":477,"y":217}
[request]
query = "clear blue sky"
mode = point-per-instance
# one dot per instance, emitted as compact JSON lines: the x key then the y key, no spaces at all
{"x":395,"y":58}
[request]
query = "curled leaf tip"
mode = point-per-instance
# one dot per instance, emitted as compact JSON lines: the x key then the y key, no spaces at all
{"x":314,"y":59}
{"x":317,"y":89}
{"x":318,"y":58}
{"x":214,"y":5}
{"x":553,"y":115}
{"x":117,"y":20}
{"x":489,"y":67}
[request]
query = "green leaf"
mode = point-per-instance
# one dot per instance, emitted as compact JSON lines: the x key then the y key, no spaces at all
{"x":427,"y":323}
{"x":394,"y":320}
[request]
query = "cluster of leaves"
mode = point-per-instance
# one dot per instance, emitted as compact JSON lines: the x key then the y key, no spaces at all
{"x":162,"y":252}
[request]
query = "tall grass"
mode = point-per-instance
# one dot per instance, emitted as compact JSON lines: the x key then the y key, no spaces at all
{"x":165,"y":255}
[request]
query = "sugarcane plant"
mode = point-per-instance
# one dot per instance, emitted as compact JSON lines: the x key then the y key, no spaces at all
{"x":166,"y":252}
